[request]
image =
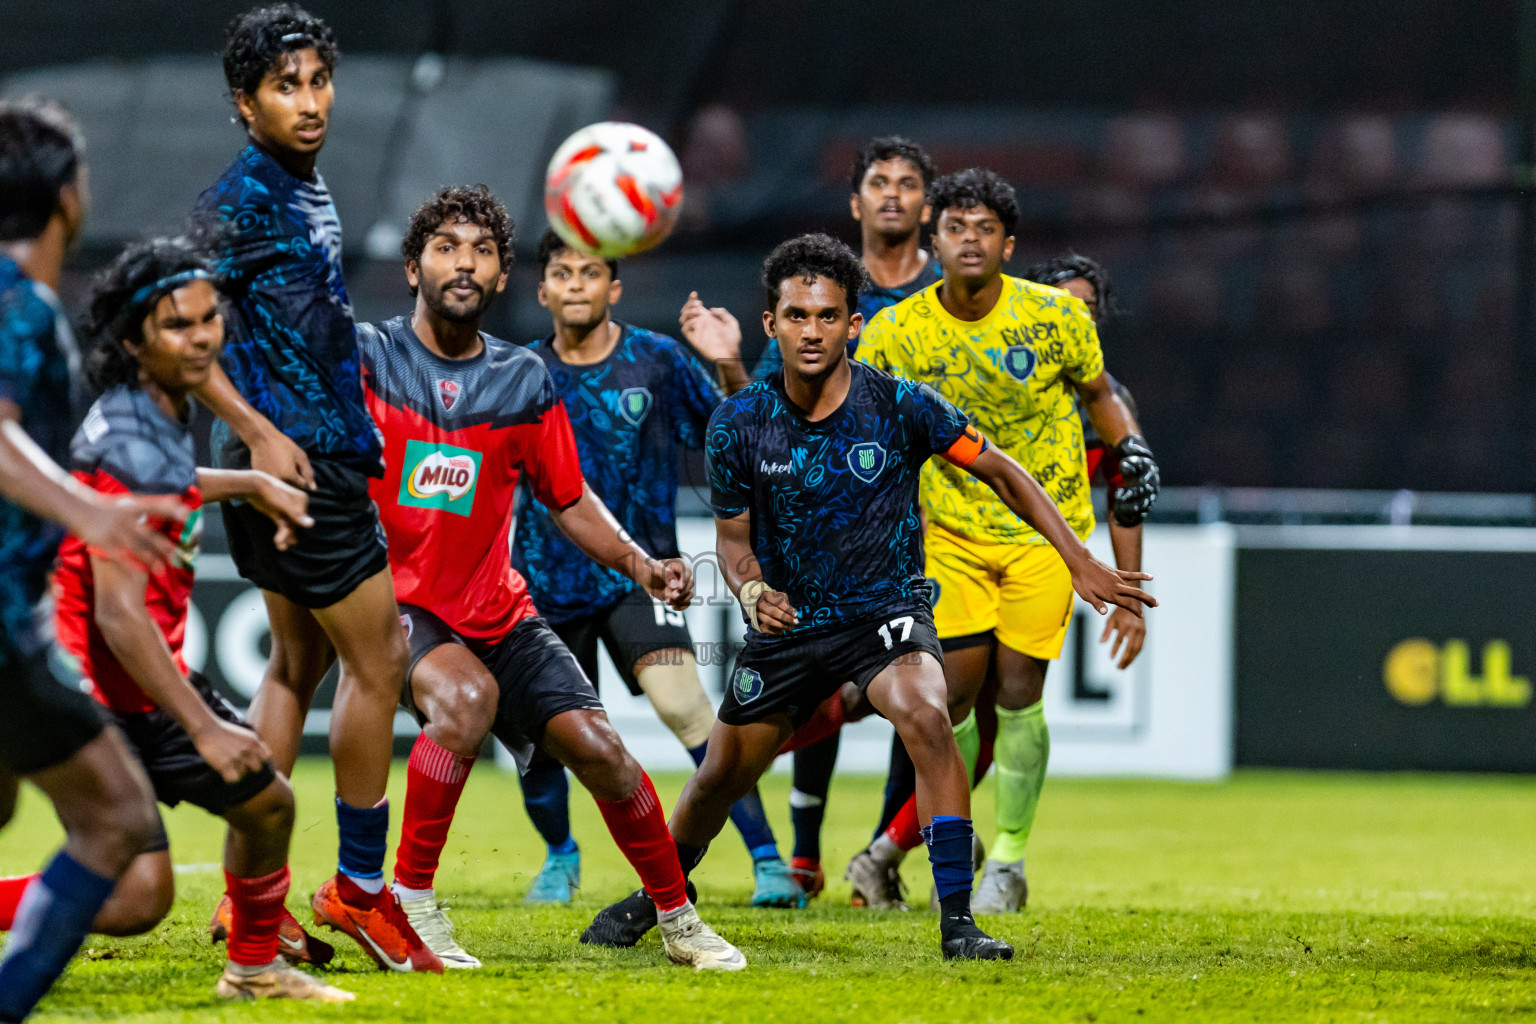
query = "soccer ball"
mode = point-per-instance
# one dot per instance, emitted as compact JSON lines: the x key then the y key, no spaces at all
{"x":613,"y":189}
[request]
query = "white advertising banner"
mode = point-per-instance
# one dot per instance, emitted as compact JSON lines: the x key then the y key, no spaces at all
{"x":1169,"y":714}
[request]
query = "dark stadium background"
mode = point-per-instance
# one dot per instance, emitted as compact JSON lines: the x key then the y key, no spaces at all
{"x":1311,"y":210}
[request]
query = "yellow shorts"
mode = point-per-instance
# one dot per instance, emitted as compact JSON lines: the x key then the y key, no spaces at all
{"x":1021,"y":592}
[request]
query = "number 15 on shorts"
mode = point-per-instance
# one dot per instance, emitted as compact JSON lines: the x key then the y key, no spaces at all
{"x":904,"y":623}
{"x":666,"y":616}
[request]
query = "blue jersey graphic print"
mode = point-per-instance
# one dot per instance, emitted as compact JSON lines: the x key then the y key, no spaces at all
{"x":833,"y":502}
{"x":37,"y":370}
{"x":630,"y":413}
{"x":871,"y":301}
{"x":289,"y":347}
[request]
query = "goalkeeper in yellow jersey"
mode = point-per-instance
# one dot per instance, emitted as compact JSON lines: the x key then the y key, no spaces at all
{"x":1016,"y":357}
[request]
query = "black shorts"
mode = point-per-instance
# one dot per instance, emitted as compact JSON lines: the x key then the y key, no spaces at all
{"x":331,"y":559}
{"x":47,"y":718}
{"x":633,"y":627}
{"x":792,"y":677}
{"x":536,"y":677}
{"x":175,"y":768}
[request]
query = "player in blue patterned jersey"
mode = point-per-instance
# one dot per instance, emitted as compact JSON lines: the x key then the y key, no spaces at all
{"x":891,"y":175}
{"x":51,"y":732}
{"x":634,"y":398}
{"x":291,"y":394}
{"x":813,"y":480}
{"x":889,"y":183}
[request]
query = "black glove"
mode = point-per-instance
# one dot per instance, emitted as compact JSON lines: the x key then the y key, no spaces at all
{"x":1140,"y":481}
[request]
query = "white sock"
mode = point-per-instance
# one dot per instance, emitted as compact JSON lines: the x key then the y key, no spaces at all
{"x":250,"y":970}
{"x":370,"y":885}
{"x":886,"y":851}
{"x":672,"y":915}
{"x":413,"y":894}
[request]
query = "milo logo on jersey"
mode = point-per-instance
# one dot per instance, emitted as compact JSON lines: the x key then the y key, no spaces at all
{"x":439,"y":476}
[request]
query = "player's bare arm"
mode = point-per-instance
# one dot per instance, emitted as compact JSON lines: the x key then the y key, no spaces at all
{"x":137,"y":643}
{"x":286,"y":506}
{"x":717,"y":335}
{"x":769,"y":610}
{"x":1129,"y":630}
{"x":591,"y":527}
{"x":272,"y":451}
{"x":1096,"y":582}
{"x":116,"y":527}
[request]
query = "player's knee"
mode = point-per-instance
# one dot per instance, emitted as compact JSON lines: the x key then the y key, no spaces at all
{"x":602,"y":764}
{"x":672,"y":685}
{"x":924,"y":726}
{"x":461,"y":714}
{"x":141,"y":900}
{"x":268,"y":814}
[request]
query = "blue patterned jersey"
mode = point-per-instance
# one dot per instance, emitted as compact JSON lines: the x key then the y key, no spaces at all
{"x":834,"y":502}
{"x":629,"y":413}
{"x":289,"y":348}
{"x":37,"y":370}
{"x":871,"y":301}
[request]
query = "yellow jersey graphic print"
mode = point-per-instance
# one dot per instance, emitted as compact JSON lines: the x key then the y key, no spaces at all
{"x":1012,"y":374}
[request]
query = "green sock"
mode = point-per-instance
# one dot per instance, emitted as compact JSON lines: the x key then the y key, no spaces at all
{"x":1023,"y":748}
{"x":968,"y":739}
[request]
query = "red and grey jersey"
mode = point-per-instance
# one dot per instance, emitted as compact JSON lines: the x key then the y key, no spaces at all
{"x":458,"y":434}
{"x":1103,"y":463}
{"x":128,"y":445}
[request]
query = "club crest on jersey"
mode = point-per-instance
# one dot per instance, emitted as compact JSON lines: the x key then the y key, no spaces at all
{"x":634,"y":404}
{"x":748,"y":684}
{"x":447,"y":393}
{"x":439,"y":476}
{"x":1019,"y":361}
{"x":190,"y":543}
{"x":866,"y":459}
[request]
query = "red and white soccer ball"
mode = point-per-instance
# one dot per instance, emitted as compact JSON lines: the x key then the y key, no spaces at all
{"x":613,"y":189}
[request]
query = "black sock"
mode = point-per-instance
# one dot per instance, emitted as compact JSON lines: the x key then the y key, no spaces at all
{"x":955,"y":909}
{"x":813,"y":767}
{"x":689,"y":856}
{"x":900,"y":784}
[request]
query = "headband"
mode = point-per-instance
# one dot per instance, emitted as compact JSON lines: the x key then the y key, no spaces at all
{"x":168,"y":284}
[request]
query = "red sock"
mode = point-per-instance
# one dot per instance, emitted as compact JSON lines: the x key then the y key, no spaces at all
{"x":827,"y":719}
{"x":256,"y":912}
{"x":10,"y":895}
{"x":434,"y":782}
{"x":640,"y":829}
{"x":904,"y":830}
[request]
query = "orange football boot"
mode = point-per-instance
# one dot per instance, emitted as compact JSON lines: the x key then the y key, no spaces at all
{"x":293,"y":942}
{"x":382,"y":929}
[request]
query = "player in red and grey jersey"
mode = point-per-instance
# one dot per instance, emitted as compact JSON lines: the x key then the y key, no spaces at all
{"x":464,"y":417}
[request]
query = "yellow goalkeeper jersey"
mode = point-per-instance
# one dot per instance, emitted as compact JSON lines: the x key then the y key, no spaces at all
{"x":1011,"y":373}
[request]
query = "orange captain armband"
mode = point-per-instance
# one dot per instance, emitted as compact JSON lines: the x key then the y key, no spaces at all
{"x":967,"y":448}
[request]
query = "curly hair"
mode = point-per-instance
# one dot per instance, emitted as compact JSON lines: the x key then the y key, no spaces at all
{"x":811,"y":256}
{"x":256,"y":42}
{"x":893,"y":147}
{"x":459,"y":204}
{"x":123,"y":294}
{"x":1060,"y":269}
{"x":551,"y":243}
{"x":973,"y":187}
{"x":41,"y":150}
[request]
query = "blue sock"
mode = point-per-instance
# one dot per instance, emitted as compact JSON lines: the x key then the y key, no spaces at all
{"x":949,"y":849}
{"x":748,"y":816}
{"x":547,"y":799}
{"x":363,"y":833}
{"x":54,"y":917}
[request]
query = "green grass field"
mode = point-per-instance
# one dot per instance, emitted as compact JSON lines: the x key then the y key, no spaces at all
{"x":1273,"y":897}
